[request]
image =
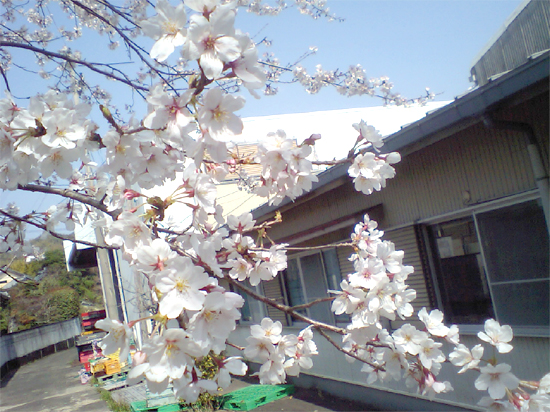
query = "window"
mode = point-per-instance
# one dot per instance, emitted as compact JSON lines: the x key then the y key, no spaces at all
{"x":494,"y":264}
{"x":308,"y":277}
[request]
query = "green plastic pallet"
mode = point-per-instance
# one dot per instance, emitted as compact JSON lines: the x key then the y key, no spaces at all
{"x":253,"y":396}
{"x":141,"y":406}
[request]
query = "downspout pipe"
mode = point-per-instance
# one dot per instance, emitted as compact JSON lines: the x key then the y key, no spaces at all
{"x":539,"y":171}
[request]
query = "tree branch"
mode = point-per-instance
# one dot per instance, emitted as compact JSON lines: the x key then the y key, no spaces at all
{"x":55,"y":234}
{"x":71,"y":194}
{"x":33,"y":283}
{"x":339,"y":348}
{"x":313,"y":302}
{"x":286,"y":309}
{"x":91,"y":66}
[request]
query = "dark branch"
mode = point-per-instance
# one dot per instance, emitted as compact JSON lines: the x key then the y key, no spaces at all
{"x":91,"y":66}
{"x":286,"y":309}
{"x":338,"y":347}
{"x":54,"y":234}
{"x":71,"y":194}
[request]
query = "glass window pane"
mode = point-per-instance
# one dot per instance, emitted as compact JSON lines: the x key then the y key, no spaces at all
{"x":293,"y":284}
{"x":460,"y":274}
{"x":332,"y":267}
{"x":334,"y":278}
{"x":316,"y":286}
{"x":515,"y":242}
{"x":246,"y":315}
{"x":520,"y":304}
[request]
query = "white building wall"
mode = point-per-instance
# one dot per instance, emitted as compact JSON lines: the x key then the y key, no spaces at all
{"x":530,"y":360}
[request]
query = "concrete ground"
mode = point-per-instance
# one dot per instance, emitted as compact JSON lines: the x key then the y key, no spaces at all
{"x":53,"y":384}
{"x":49,"y":384}
{"x":302,"y":400}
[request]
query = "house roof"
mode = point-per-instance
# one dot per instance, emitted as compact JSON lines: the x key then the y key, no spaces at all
{"x":523,"y":34}
{"x":333,"y":126}
{"x":463,"y":110}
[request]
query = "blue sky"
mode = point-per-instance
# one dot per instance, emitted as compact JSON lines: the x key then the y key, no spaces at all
{"x":416,"y":43}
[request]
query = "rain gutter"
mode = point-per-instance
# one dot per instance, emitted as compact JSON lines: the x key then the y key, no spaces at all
{"x":465,"y":110}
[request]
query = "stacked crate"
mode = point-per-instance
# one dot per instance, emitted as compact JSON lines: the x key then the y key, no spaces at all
{"x":89,"y":319}
{"x":86,"y":350}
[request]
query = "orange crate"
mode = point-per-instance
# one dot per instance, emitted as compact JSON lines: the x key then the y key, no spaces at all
{"x":112,"y":367}
{"x":97,"y":366}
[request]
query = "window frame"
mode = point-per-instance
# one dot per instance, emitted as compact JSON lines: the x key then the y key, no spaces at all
{"x":473,"y":212}
{"x":334,"y":320}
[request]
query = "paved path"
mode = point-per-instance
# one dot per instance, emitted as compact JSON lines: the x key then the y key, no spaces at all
{"x":49,"y":384}
{"x":53,"y":384}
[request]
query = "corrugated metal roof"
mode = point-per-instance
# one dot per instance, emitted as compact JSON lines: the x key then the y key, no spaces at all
{"x":525,"y":33}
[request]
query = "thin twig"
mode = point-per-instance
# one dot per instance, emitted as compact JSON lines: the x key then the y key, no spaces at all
{"x":313,"y":302}
{"x":339,"y":348}
{"x":286,"y":309}
{"x":329,"y":246}
{"x":234,"y":346}
{"x":32,"y":283}
{"x":91,"y":66}
{"x":55,"y":234}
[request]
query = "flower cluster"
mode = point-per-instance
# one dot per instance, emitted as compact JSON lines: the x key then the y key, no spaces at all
{"x":497,"y":378}
{"x":178,"y":271}
{"x":377,"y":290}
{"x":12,"y":234}
{"x":280,"y":355}
{"x":171,"y":358}
{"x":245,"y":260}
{"x":370,"y":170}
{"x":184,"y":291}
{"x":286,"y":169}
{"x":43,"y":139}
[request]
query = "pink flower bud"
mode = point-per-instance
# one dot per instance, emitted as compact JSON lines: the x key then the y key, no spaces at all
{"x":138,"y":358}
{"x":130,"y":194}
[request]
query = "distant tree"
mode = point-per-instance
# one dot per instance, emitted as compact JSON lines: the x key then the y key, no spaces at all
{"x":62,"y":304}
{"x":28,"y":268}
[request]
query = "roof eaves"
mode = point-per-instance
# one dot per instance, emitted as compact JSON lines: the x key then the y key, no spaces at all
{"x":466,"y":107}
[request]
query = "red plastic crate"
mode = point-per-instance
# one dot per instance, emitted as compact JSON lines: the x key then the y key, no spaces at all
{"x":86,"y":356}
{"x":96,"y":315}
{"x":89,"y":322}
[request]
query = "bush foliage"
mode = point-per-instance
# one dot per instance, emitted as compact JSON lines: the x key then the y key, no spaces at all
{"x":55,"y":298}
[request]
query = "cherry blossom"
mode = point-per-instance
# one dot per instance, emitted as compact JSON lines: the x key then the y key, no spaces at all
{"x":129,"y":231}
{"x":495,"y":405}
{"x":267,"y":329}
{"x":496,"y":379}
{"x":462,"y":356}
{"x":497,"y":335}
{"x":211,"y":41}
{"x":181,"y":288}
{"x":118,"y":337}
{"x":369,"y":134}
{"x":216,"y":115}
{"x":433,"y":321}
{"x":186,"y":136}
{"x":232,"y":365}
{"x":167,"y":28}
